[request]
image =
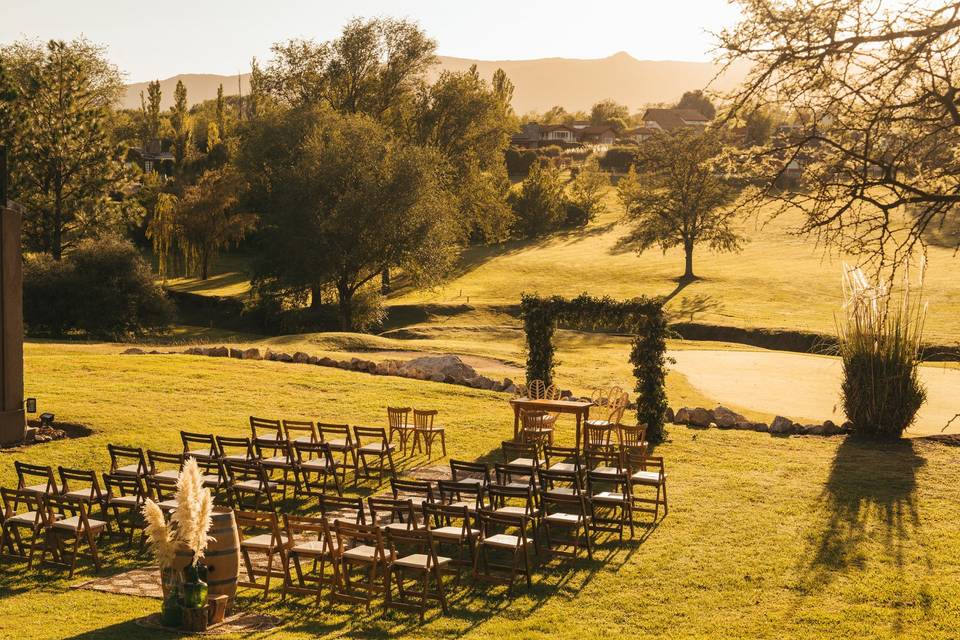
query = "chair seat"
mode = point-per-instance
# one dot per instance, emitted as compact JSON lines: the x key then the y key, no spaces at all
{"x":452,"y":533}
{"x":168,"y":505}
{"x":397,"y":526}
{"x":211,"y":481}
{"x":315,"y":464}
{"x":564,"y":467}
{"x":312,"y":548}
{"x":124,"y":501}
{"x":340,"y":444}
{"x":567,"y":518}
{"x":276,"y":461}
{"x":647,"y":477}
{"x":476,"y":481}
{"x":607,"y":496}
{"x":429,"y":429}
{"x":598,"y":423}
{"x":607,"y":471}
{"x":525,"y":463}
{"x":169,"y":474}
{"x":505,"y":541}
{"x":378,"y":447}
{"x":73,"y":524}
{"x":363,"y":553}
{"x":21,"y":519}
{"x":87,"y":495}
{"x":255,"y":485}
{"x":514,"y":511}
{"x":560,"y":491}
{"x":309,"y":439}
{"x":130,"y":470}
{"x":263,"y":542}
{"x":37,"y":489}
{"x":200,"y":454}
{"x":516,"y":484}
{"x":471,"y":506}
{"x":236,"y":457}
{"x":419,"y":561}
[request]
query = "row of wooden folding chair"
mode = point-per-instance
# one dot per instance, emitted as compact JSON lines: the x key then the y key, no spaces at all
{"x":423,"y":430}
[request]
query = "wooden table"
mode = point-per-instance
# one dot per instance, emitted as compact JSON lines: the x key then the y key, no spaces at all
{"x":580,"y":409}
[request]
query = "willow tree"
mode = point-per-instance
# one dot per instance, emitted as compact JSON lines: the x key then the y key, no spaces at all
{"x":876,"y":91}
{"x":179,"y":121}
{"x":162,"y":232}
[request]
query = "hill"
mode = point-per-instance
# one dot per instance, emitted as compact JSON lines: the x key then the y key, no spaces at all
{"x":540,"y":84}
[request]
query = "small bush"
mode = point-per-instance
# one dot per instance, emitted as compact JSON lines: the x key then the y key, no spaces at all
{"x":879,"y":340}
{"x":540,"y":203}
{"x":551,"y":151}
{"x":618,"y":159}
{"x":103,"y":289}
{"x":519,"y":161}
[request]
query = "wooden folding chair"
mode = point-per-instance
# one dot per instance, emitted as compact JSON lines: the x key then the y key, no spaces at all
{"x":391,"y":513}
{"x":81,"y":484}
{"x":451,"y":525}
{"x":314,"y":465}
{"x":337,"y":508}
{"x":260,"y":532}
{"x":236,"y":449}
{"x":22,"y":514}
{"x":250,"y":479}
{"x":36,"y":479}
{"x":215,"y":479}
{"x":514,"y":477}
{"x":418,"y":491}
{"x":340,"y":441}
{"x":265,"y":429}
{"x":398,"y":420}
{"x":310,"y":541}
{"x":559,"y":482}
{"x":425,"y":432}
{"x":201,"y":446}
{"x":566,"y":523}
{"x":462,"y":494}
{"x":165,"y":465}
{"x":360,"y":546}
{"x":562,"y":459}
{"x":300,"y":431}
{"x":372,"y":443}
{"x":276,"y":457}
{"x":517,"y":501}
{"x":127,"y":461}
{"x":421,"y":566}
{"x":611,"y":508}
{"x":66,"y":525}
{"x":162,"y":490}
{"x":494,"y":538}
{"x":123,"y":501}
{"x":520,"y":456}
{"x":647,"y":471}
{"x":476,"y":472}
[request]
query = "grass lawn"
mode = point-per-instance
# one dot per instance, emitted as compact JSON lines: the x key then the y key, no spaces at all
{"x":766,"y":538}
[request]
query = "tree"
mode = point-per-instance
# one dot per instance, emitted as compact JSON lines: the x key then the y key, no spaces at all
{"x":608,"y":113}
{"x":221,"y":116}
{"x":342,"y":202}
{"x":503,"y":90}
{"x":59,"y":135}
{"x":150,"y":113}
{"x":205,"y":220}
{"x":257,"y":95}
{"x":683,"y":197}
{"x":179,"y":120}
{"x":879,"y":90}
{"x":698,"y":101}
{"x":540,"y":203}
{"x":759,"y":124}
{"x":554,"y":115}
{"x":587,"y":191}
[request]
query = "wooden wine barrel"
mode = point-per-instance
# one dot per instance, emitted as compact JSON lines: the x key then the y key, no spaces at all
{"x":222,"y":556}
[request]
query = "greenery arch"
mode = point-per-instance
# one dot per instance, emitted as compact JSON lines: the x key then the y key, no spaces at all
{"x":642,"y":317}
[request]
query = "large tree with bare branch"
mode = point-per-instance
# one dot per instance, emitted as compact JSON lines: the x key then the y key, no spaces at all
{"x":875,"y":88}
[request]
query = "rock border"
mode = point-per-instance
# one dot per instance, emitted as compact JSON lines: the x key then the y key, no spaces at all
{"x":723,"y":418}
{"x":396,"y":368}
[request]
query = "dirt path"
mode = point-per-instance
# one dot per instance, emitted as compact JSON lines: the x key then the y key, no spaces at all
{"x":804,"y":387}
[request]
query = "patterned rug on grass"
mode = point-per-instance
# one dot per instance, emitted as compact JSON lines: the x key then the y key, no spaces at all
{"x":144,"y":583}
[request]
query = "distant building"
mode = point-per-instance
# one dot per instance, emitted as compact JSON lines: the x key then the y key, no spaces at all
{"x":533,"y":135}
{"x":672,"y":119}
{"x":150,"y":157}
{"x":640,"y":134}
{"x":596,"y":135}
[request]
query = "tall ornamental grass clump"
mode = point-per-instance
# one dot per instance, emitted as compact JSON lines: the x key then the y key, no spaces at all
{"x":879,"y":335}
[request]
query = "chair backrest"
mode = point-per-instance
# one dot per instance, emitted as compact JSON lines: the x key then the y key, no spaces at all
{"x":460,"y":470}
{"x":503,"y":496}
{"x":272,"y":448}
{"x":632,"y":436}
{"x":235,"y":446}
{"x":513,"y":450}
{"x":244,"y":470}
{"x":331,"y":431}
{"x":616,"y":406}
{"x":202,"y":443}
{"x":423,"y":418}
{"x":552,"y":392}
{"x":15,"y":502}
{"x":304,"y":451}
{"x":351,"y":535}
{"x":35,"y":474}
{"x":446,"y":515}
{"x":124,"y":456}
{"x":391,"y":511}
{"x":368,"y":434}
{"x":398,"y":417}
{"x":331,"y":504}
{"x":160,"y":488}
{"x":420,"y":488}
{"x":597,"y":436}
{"x":252,"y":522}
{"x":300,"y":431}
{"x":506,"y":474}
{"x":308,"y":528}
{"x":536,"y":389}
{"x":59,"y":507}
{"x":415,"y":541}
{"x":466,"y":492}
{"x":160,"y":459}
{"x":490,"y":522}
{"x":553,"y":454}
{"x":549,"y":481}
{"x":606,"y":481}
{"x":122,"y":486}
{"x":265,"y":428}
{"x":564,"y":503}
{"x":638,"y":460}
{"x":79,"y":480}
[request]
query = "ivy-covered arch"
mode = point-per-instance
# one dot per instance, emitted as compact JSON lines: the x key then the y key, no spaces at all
{"x":642,"y":317}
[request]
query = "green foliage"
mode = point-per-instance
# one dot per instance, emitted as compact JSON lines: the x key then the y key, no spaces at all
{"x":586,"y":194}
{"x":103,"y":289}
{"x":609,"y":113}
{"x":698,"y":101}
{"x":619,"y":159}
{"x":759,"y":125}
{"x":179,"y":121}
{"x":642,"y":316}
{"x":59,"y":132}
{"x":540,"y":203}
{"x":880,"y":340}
{"x":150,"y":113}
{"x":519,"y":161}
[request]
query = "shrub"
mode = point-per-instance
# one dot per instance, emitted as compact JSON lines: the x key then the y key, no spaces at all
{"x":103,"y":289}
{"x":551,"y":151}
{"x":519,"y":161}
{"x":540,"y":203}
{"x":618,"y":159}
{"x":879,"y":340}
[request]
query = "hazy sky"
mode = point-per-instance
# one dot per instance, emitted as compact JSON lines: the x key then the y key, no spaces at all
{"x":159,"y":39}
